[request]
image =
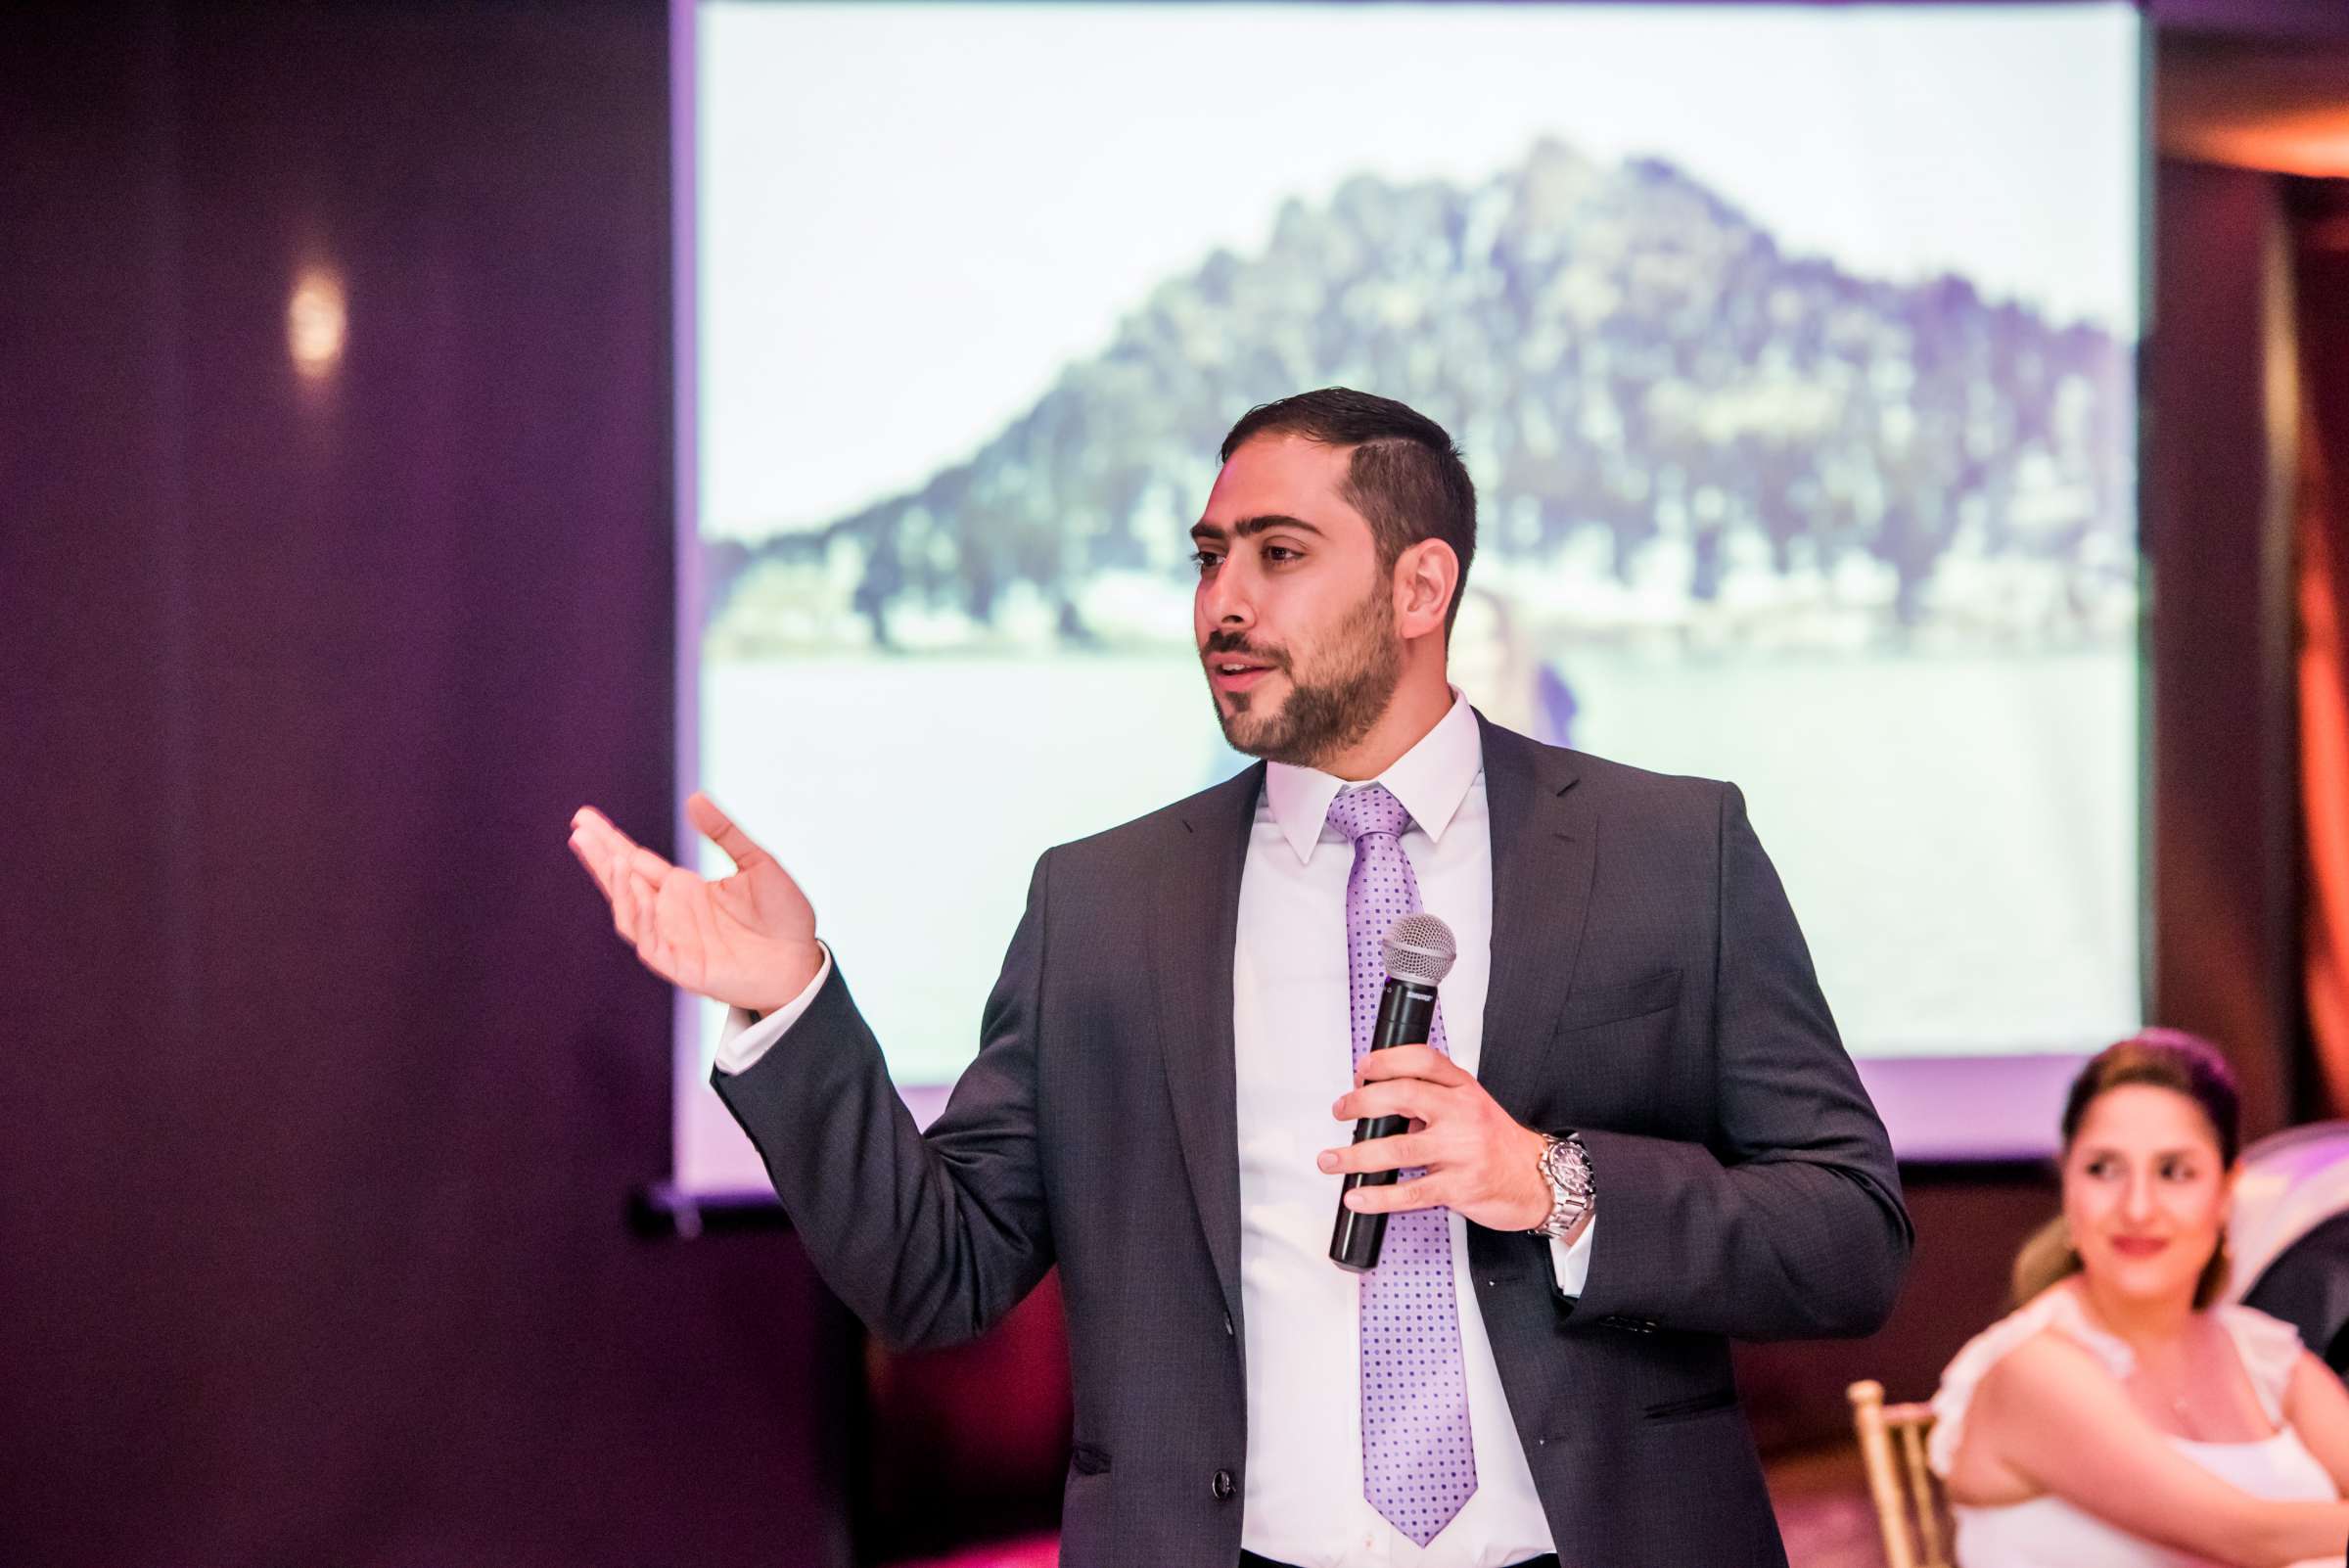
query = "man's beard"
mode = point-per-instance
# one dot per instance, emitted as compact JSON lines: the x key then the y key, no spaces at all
{"x":1332,"y":706}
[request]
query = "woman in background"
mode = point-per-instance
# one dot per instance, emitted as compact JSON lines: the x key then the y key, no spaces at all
{"x":2120,"y":1417}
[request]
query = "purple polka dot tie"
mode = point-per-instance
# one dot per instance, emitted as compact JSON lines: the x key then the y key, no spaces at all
{"x":1418,"y":1460}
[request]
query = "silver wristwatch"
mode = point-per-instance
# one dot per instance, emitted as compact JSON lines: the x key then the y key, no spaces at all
{"x":1566,"y":1166}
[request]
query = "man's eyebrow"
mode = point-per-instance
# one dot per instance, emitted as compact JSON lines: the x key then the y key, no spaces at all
{"x":1254,"y":524}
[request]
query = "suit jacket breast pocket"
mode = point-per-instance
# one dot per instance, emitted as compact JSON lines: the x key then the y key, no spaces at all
{"x":1593,"y":1006}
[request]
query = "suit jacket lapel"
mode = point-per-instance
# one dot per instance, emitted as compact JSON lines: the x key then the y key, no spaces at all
{"x":1193,"y":976}
{"x":1544,"y":847}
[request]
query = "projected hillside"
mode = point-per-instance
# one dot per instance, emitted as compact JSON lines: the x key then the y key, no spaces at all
{"x":1679,"y":429}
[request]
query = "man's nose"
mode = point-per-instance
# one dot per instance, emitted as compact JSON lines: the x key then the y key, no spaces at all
{"x":1227,"y":602}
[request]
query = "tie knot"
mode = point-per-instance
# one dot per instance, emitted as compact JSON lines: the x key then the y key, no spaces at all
{"x":1369,"y":809}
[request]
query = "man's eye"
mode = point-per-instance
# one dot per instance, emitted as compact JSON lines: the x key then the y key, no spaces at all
{"x":1281,"y":552}
{"x":1205,"y":558}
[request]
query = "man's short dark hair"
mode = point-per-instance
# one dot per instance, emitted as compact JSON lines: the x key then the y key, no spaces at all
{"x":1406,"y":475}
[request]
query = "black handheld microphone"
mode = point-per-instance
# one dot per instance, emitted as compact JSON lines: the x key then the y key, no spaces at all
{"x":1420,"y":953}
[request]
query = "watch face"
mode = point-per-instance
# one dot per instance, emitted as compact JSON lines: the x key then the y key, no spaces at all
{"x":1570,"y":1178}
{"x":1567,"y":1169}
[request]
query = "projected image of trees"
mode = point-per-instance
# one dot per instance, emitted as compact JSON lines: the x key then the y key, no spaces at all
{"x":1680,"y":432}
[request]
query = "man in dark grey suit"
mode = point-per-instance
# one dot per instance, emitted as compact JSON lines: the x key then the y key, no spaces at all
{"x":1646,"y":1140}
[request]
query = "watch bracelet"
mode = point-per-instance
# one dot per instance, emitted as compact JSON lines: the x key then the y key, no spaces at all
{"x":1561,"y":1195}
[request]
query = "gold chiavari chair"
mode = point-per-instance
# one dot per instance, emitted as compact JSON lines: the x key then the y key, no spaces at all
{"x":1908,"y":1506}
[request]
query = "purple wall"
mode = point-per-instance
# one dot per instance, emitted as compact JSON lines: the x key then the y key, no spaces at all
{"x":325,"y":1084}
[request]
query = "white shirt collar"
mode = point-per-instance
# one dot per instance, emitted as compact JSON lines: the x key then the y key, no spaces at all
{"x":1431,"y":780}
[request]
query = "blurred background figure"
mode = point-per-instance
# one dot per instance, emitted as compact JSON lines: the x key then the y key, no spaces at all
{"x":1505,"y":675}
{"x":2123,"y":1416}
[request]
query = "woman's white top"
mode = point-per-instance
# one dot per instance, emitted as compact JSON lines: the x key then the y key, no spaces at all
{"x":2048,"y":1532}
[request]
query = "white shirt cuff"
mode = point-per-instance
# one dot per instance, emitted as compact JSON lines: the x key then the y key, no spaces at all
{"x":745,"y":1038}
{"x":1572,"y":1264}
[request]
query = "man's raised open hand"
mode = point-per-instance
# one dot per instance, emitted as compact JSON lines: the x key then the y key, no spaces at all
{"x":749,"y":941}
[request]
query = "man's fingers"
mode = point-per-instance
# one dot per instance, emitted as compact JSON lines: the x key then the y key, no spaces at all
{"x":655,"y":906}
{"x":598,"y":828}
{"x":592,"y":844}
{"x":587,"y":858}
{"x":1410,"y":1061}
{"x":641,"y":874}
{"x":599,"y":847}
{"x":632,"y":909}
{"x":719,"y":829}
{"x":624,"y":899}
{"x":1424,"y":1193}
{"x":683,"y":923}
{"x":1403,"y":1096}
{"x":1399,"y":1153}
{"x":645,"y":916}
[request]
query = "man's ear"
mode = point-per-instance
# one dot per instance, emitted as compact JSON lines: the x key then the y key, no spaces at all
{"x":1427,"y":574}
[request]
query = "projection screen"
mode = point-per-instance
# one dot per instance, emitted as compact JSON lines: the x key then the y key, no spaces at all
{"x":1792,"y":350}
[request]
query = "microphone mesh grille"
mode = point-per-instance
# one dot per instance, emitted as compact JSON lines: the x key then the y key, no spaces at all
{"x":1422,"y":949}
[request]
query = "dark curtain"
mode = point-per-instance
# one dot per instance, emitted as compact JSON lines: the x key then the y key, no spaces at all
{"x":324,"y":1087}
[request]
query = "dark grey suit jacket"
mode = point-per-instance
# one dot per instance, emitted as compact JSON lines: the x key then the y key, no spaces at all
{"x":1649,"y":989}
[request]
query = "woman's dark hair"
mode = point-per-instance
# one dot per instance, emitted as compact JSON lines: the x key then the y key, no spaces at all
{"x":1404,"y":477}
{"x":2164,"y":1058}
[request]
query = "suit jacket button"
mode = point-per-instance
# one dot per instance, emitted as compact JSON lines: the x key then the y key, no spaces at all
{"x":1222,"y":1486}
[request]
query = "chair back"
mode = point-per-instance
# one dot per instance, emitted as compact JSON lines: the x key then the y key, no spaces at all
{"x":1892,"y":1446}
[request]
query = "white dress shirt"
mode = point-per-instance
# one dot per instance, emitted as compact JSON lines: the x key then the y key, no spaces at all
{"x":1293,"y":1057}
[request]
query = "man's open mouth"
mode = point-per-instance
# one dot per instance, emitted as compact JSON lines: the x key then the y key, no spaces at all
{"x":1233,"y":673}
